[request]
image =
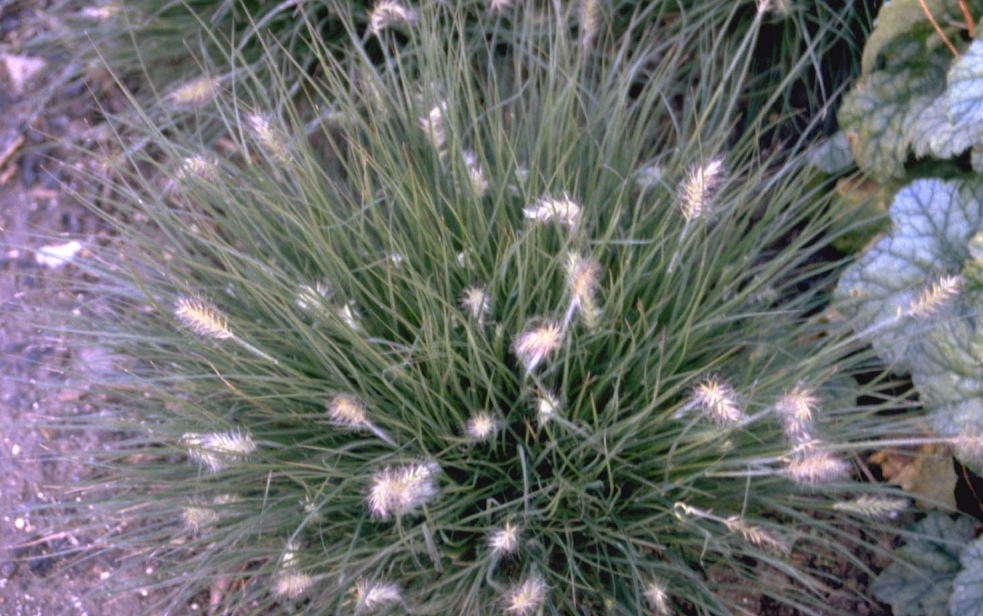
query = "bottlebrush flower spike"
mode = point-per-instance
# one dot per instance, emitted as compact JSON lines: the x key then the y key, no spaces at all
{"x":583,"y":277}
{"x":657,"y":597}
{"x":698,"y":189}
{"x":537,"y":342}
{"x":476,"y":303}
{"x":563,"y":211}
{"x":433,"y":125}
{"x":269,"y":137}
{"x":526,"y":597}
{"x":347,"y":411}
{"x":935,"y":296}
{"x":796,"y":409}
{"x":482,"y":426}
{"x":196,"y":93}
{"x":291,"y":585}
{"x":505,"y":540}
{"x":217,"y":450}
{"x":400,"y":490}
{"x":809,"y":465}
{"x":718,"y":401}
{"x":371,"y":596}
{"x":202,"y":318}
{"x":389,"y":13}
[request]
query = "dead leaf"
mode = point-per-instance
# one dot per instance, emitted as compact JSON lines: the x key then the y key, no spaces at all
{"x":925,"y":471}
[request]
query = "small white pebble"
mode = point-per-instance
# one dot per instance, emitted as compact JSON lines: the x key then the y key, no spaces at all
{"x":104,"y":575}
{"x":19,"y":523}
{"x":15,"y":450}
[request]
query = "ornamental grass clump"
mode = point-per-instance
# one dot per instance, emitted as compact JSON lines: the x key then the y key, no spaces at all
{"x":413,"y":396}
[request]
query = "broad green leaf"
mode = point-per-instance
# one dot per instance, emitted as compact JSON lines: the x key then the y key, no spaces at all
{"x":932,"y":223}
{"x":921,"y":581}
{"x":917,"y":296}
{"x":953,"y":123}
{"x":966,"y":88}
{"x":900,"y":17}
{"x":878,"y":114}
{"x":967,"y":588}
{"x":832,"y":156}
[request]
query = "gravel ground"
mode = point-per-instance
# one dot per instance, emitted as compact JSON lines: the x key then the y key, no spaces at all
{"x":43,"y":376}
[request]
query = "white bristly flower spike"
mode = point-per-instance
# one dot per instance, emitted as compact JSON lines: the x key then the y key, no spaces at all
{"x":433,"y":125}
{"x":697,"y":190}
{"x":537,"y":342}
{"x":695,"y":194}
{"x":563,"y":211}
{"x":291,"y":585}
{"x":196,"y":93}
{"x":218,"y":450}
{"x":371,"y":596}
{"x":204,"y":319}
{"x":481,"y":427}
{"x":269,"y":137}
{"x":657,"y":597}
{"x":526,"y":597}
{"x":387,"y":13}
{"x":718,"y":401}
{"x":505,"y":540}
{"x":402,"y":489}
{"x":347,"y":411}
{"x":547,"y":406}
{"x":583,"y":277}
{"x":476,"y":303}
{"x":935,"y":296}
{"x":796,"y":409}
{"x":809,"y":465}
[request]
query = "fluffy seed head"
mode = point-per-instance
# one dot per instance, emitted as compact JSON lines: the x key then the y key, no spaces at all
{"x":433,"y":126}
{"x":796,"y":409}
{"x":269,"y":137}
{"x":590,"y":21}
{"x":476,"y":176}
{"x":482,"y":426}
{"x":216,"y":450}
{"x":203,"y":318}
{"x":657,"y":597}
{"x":476,"y":303}
{"x":400,"y":490}
{"x":697,"y":190}
{"x":873,"y":506}
{"x":547,"y":406}
{"x":811,"y":466}
{"x":291,"y":585}
{"x":756,"y":535}
{"x":504,"y":540}
{"x":563,"y":211}
{"x":347,"y":411}
{"x":583,"y":276}
{"x":537,"y":343}
{"x":934,"y":297}
{"x":310,"y":298}
{"x":498,"y":6}
{"x":196,"y":93}
{"x":201,"y":168}
{"x":198,"y":518}
{"x":718,"y":401}
{"x":389,"y":13}
{"x":350,"y":317}
{"x":372,"y":596}
{"x":526,"y":597}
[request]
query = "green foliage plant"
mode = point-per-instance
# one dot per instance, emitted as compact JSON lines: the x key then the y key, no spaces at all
{"x":520,"y":327}
{"x":914,"y":124}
